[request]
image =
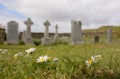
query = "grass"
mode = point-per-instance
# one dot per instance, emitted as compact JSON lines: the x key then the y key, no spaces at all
{"x":71,"y":63}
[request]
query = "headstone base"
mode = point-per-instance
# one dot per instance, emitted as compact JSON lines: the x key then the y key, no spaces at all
{"x":12,"y":42}
{"x":56,"y":38}
{"x":47,"y":41}
{"x":28,"y":41}
{"x":77,"y":42}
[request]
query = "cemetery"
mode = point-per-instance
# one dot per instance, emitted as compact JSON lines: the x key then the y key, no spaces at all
{"x":81,"y":54}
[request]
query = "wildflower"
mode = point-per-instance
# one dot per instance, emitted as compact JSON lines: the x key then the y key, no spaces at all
{"x":18,"y":54}
{"x":89,"y":62}
{"x":43,"y":59}
{"x":93,"y":59}
{"x":55,"y":59}
{"x":96,"y":58}
{"x":47,"y":58}
{"x":4,"y":51}
{"x":30,"y":51}
{"x":40,"y":59}
{"x":1,"y":50}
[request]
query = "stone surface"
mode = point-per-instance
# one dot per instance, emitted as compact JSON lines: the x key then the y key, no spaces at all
{"x":46,"y":24}
{"x":28,"y":23}
{"x":56,"y":33}
{"x":109,"y":35}
{"x":12,"y":32}
{"x":24,"y":35}
{"x":46,"y":40}
{"x":76,"y":32}
{"x":2,"y":35}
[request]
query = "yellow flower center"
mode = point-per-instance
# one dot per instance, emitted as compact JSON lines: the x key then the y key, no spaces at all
{"x":90,"y":61}
{"x":42,"y":60}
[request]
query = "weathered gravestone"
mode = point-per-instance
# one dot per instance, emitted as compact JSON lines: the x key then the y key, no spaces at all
{"x":76,"y":32}
{"x":109,"y":35}
{"x":56,"y":33}
{"x":24,"y":36}
{"x":96,"y":39}
{"x":46,"y":24}
{"x":2,"y":35}
{"x":28,"y":38}
{"x":12,"y":32}
{"x":46,"y":40}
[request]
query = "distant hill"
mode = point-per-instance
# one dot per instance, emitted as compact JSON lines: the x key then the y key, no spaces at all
{"x":103,"y":28}
{"x":115,"y":30}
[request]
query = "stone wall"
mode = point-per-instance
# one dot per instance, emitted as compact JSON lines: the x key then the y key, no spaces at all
{"x":89,"y":34}
{"x":37,"y":35}
{"x":40,"y":35}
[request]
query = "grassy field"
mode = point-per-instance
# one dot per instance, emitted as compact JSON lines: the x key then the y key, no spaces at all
{"x":70,"y":65}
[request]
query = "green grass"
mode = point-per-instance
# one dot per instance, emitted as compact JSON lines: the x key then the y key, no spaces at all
{"x":71,"y":63}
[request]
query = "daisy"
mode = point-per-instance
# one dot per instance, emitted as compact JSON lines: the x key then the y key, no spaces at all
{"x":55,"y":59}
{"x":18,"y":54}
{"x":4,"y":51}
{"x":30,"y":51}
{"x":92,"y":60}
{"x":1,"y":50}
{"x":43,"y":59}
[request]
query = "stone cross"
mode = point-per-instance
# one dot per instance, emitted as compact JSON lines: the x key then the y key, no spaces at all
{"x":109,"y":35}
{"x":56,"y":31}
{"x":47,"y":24}
{"x":12,"y":32}
{"x":28,"y":23}
{"x":76,"y":32}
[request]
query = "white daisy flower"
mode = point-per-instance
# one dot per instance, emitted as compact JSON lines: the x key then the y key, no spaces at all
{"x":1,"y":50}
{"x":55,"y":59}
{"x":4,"y":51}
{"x":43,"y":59}
{"x":92,"y":60}
{"x":18,"y":54}
{"x":30,"y":51}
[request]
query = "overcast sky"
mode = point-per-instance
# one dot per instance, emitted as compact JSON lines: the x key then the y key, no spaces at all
{"x":92,"y":13}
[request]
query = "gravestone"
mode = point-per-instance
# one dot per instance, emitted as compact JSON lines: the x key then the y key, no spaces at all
{"x":2,"y":35}
{"x":109,"y":35}
{"x":96,"y":39}
{"x":56,"y":33}
{"x":24,"y":36}
{"x":46,"y":24}
{"x":12,"y":32}
{"x":76,"y":32}
{"x":46,"y":40}
{"x":28,"y":23}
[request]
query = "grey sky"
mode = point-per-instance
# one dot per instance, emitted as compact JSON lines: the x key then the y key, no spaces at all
{"x":92,"y":13}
